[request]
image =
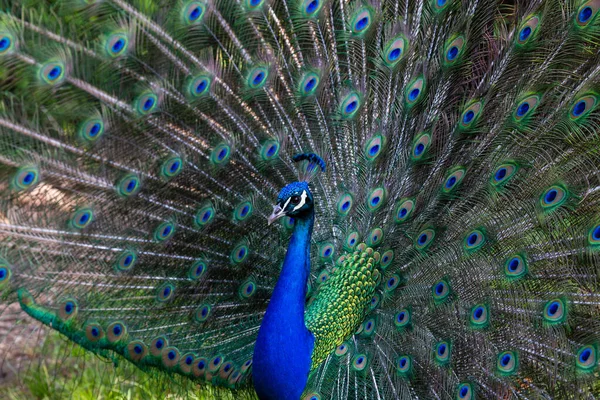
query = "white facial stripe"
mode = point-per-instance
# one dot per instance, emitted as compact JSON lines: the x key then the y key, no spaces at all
{"x":302,"y":201}
{"x":286,"y":204}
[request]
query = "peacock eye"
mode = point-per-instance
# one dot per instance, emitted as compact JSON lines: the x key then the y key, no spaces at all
{"x":295,"y":199}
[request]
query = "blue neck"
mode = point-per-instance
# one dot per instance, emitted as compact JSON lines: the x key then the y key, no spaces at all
{"x":284,"y":345}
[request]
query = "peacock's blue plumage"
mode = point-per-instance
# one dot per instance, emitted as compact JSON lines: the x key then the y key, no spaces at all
{"x":309,"y":199}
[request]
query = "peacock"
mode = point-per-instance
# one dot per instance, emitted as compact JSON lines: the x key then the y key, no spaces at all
{"x":311,"y":199}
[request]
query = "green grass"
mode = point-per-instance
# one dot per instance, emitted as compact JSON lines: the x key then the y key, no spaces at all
{"x":62,"y":370}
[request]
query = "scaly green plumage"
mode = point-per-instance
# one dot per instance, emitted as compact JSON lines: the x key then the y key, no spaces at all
{"x":338,"y":305}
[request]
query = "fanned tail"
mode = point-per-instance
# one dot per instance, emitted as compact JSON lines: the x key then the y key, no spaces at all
{"x":143,"y":144}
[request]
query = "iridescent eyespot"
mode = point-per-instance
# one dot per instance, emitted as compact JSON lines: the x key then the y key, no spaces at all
{"x":165,"y":292}
{"x":342,"y":349}
{"x":555,"y":311}
{"x":197,"y":270}
{"x":204,"y":215}
{"x":344,"y":204}
{"x":527,"y":30}
{"x":515,"y":267}
{"x":52,"y":72}
{"x":583,"y":106}
{"x":525,"y":107}
{"x":164,"y":231}
{"x":126,"y":260}
{"x":359,"y":362}
{"x":440,"y":5}
{"x":171,"y":167}
{"x":464,"y":392}
{"x":394,"y":50}
{"x":157,"y":345}
{"x":375,"y":237}
{"x":507,"y":362}
{"x":326,"y":250}
{"x":91,"y":130}
{"x":474,"y":240}
{"x":392,"y":283}
{"x":369,"y":327}
{"x":247,"y":289}
{"x":386,"y":259}
{"x":170,"y":352}
{"x":199,"y":86}
{"x":503,"y":174}
{"x":376,"y":199}
{"x":226,"y":370}
{"x":215,"y":363}
{"x":170,"y":357}
{"x":246,"y":366}
{"x":68,"y":309}
{"x":587,"y":358}
{"x":442,"y":352}
{"x":257,"y":78}
{"x":586,"y":13}
{"x":202,"y":313}
{"x":186,"y":362}
{"x":129,"y":185}
{"x":220,"y":154}
{"x":553,"y":197}
{"x":414,"y":91}
{"x":594,"y":236}
{"x":374,"y":147}
{"x":453,"y":50}
{"x":82,"y":218}
{"x":269,"y":150}
{"x":193,"y":12}
{"x":288,"y":222}
{"x":402,"y":318}
{"x":309,"y":84}
{"x":479,"y":317}
{"x":116,"y":44}
{"x":116,"y":332}
{"x":146,"y":103}
{"x":361,"y":21}
{"x":239,"y":254}
{"x":404,"y":210}
{"x":93,"y":332}
{"x":453,"y":179}
{"x":420,"y":146}
{"x":351,"y":240}
{"x":136,"y":350}
{"x":7,"y":43}
{"x":243,"y":211}
{"x":404,"y":365}
{"x":254,"y":4}
{"x":350,"y":105}
{"x":199,"y":366}
{"x":374,"y":301}
{"x":5,"y":273}
{"x":441,"y":290}
{"x":311,"y":8}
{"x":470,"y":115}
{"x":424,"y":239}
{"x":25,"y":178}
{"x":323,"y":276}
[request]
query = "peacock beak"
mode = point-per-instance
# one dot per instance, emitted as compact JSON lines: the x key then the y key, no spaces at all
{"x":277,"y":213}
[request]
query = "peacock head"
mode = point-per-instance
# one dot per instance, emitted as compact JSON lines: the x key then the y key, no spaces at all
{"x":295,"y":200}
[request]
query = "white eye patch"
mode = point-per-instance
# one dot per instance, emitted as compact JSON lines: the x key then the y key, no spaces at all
{"x":302,"y":201}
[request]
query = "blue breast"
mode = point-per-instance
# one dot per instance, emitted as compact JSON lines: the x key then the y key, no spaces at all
{"x":282,"y":354}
